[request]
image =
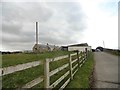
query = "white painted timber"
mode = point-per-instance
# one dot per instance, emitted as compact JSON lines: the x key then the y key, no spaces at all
{"x":80,"y":57}
{"x":65,"y":84}
{"x":70,"y":64}
{"x":1,"y":69}
{"x":19,"y":67}
{"x":81,"y":61}
{"x":58,"y":69}
{"x":74,"y":61}
{"x":59,"y":58}
{"x":46,"y":74}
{"x":74,"y":66}
{"x":33,"y":82}
{"x":73,"y":54}
{"x":75,"y":72}
{"x":82,"y":64}
{"x":59,"y":80}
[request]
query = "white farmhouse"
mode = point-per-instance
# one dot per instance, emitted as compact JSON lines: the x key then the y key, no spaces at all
{"x":79,"y":47}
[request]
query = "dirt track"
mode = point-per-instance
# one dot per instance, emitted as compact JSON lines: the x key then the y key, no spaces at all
{"x":106,"y":69}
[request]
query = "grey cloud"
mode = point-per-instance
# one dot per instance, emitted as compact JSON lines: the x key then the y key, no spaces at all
{"x":11,"y":27}
{"x":25,"y":11}
{"x":58,"y":23}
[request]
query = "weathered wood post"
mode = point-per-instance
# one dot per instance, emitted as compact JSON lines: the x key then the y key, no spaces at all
{"x":82,"y":55}
{"x":78,"y":59}
{"x":70,"y":65}
{"x":86,"y":53}
{"x":46,"y":74}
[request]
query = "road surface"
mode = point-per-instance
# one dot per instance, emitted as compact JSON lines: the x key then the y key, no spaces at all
{"x":106,"y":70}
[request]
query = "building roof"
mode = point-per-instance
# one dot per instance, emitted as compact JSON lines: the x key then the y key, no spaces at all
{"x":82,"y":44}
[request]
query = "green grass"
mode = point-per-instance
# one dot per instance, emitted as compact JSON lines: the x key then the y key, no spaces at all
{"x":18,"y":79}
{"x":81,"y":78}
{"x":14,"y":59}
{"x":59,"y":63}
{"x":114,"y":52}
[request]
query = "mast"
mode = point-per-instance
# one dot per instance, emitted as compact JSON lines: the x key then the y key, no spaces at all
{"x":103,"y":44}
{"x":36,"y":32}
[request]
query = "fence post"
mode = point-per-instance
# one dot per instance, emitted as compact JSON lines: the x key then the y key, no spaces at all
{"x":82,"y":55}
{"x":70,"y":64}
{"x":78,"y":58}
{"x":46,"y":74}
{"x":86,"y":51}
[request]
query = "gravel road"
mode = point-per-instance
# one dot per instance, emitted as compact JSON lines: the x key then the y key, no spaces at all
{"x":106,"y":69}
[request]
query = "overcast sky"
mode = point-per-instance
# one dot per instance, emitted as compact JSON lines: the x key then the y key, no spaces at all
{"x":61,"y":22}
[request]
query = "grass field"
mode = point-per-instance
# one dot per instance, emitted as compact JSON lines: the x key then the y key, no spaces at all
{"x":113,"y":51}
{"x":14,"y":59}
{"x":18,"y":79}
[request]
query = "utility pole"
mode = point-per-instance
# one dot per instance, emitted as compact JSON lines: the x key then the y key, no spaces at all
{"x":103,"y":44}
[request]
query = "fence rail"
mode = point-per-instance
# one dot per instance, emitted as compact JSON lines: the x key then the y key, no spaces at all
{"x":59,"y":80}
{"x":48,"y":73}
{"x":58,"y":69}
{"x":80,"y":59}
{"x":33,"y":82}
{"x":19,"y":67}
{"x":58,"y":58}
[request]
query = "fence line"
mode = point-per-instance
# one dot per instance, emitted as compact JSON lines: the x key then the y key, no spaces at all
{"x":19,"y":67}
{"x":58,"y":58}
{"x":65,"y":84}
{"x":58,"y":69}
{"x":47,"y":73}
{"x":59,"y":80}
{"x":33,"y":82}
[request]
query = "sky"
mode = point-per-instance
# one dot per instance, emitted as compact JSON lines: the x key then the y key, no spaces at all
{"x":61,"y":22}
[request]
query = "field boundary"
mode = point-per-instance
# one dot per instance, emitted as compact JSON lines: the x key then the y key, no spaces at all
{"x":79,"y":60}
{"x":72,"y":69}
{"x":19,"y":67}
{"x":33,"y":82}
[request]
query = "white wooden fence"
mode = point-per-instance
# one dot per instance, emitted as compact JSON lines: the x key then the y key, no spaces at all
{"x":19,"y":67}
{"x":47,"y":73}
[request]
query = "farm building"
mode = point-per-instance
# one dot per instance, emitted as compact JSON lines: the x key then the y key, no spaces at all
{"x":79,"y":47}
{"x":44,"y":48}
{"x":41,"y":47}
{"x":64,"y":48}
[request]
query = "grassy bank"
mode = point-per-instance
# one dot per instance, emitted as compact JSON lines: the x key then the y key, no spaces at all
{"x":81,"y":79}
{"x":117,"y":53}
{"x":113,"y":51}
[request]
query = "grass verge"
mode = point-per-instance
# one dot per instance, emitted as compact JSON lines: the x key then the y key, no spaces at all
{"x":81,"y":78}
{"x":117,"y":53}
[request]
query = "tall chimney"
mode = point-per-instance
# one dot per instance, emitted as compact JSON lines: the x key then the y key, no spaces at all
{"x":36,"y":32}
